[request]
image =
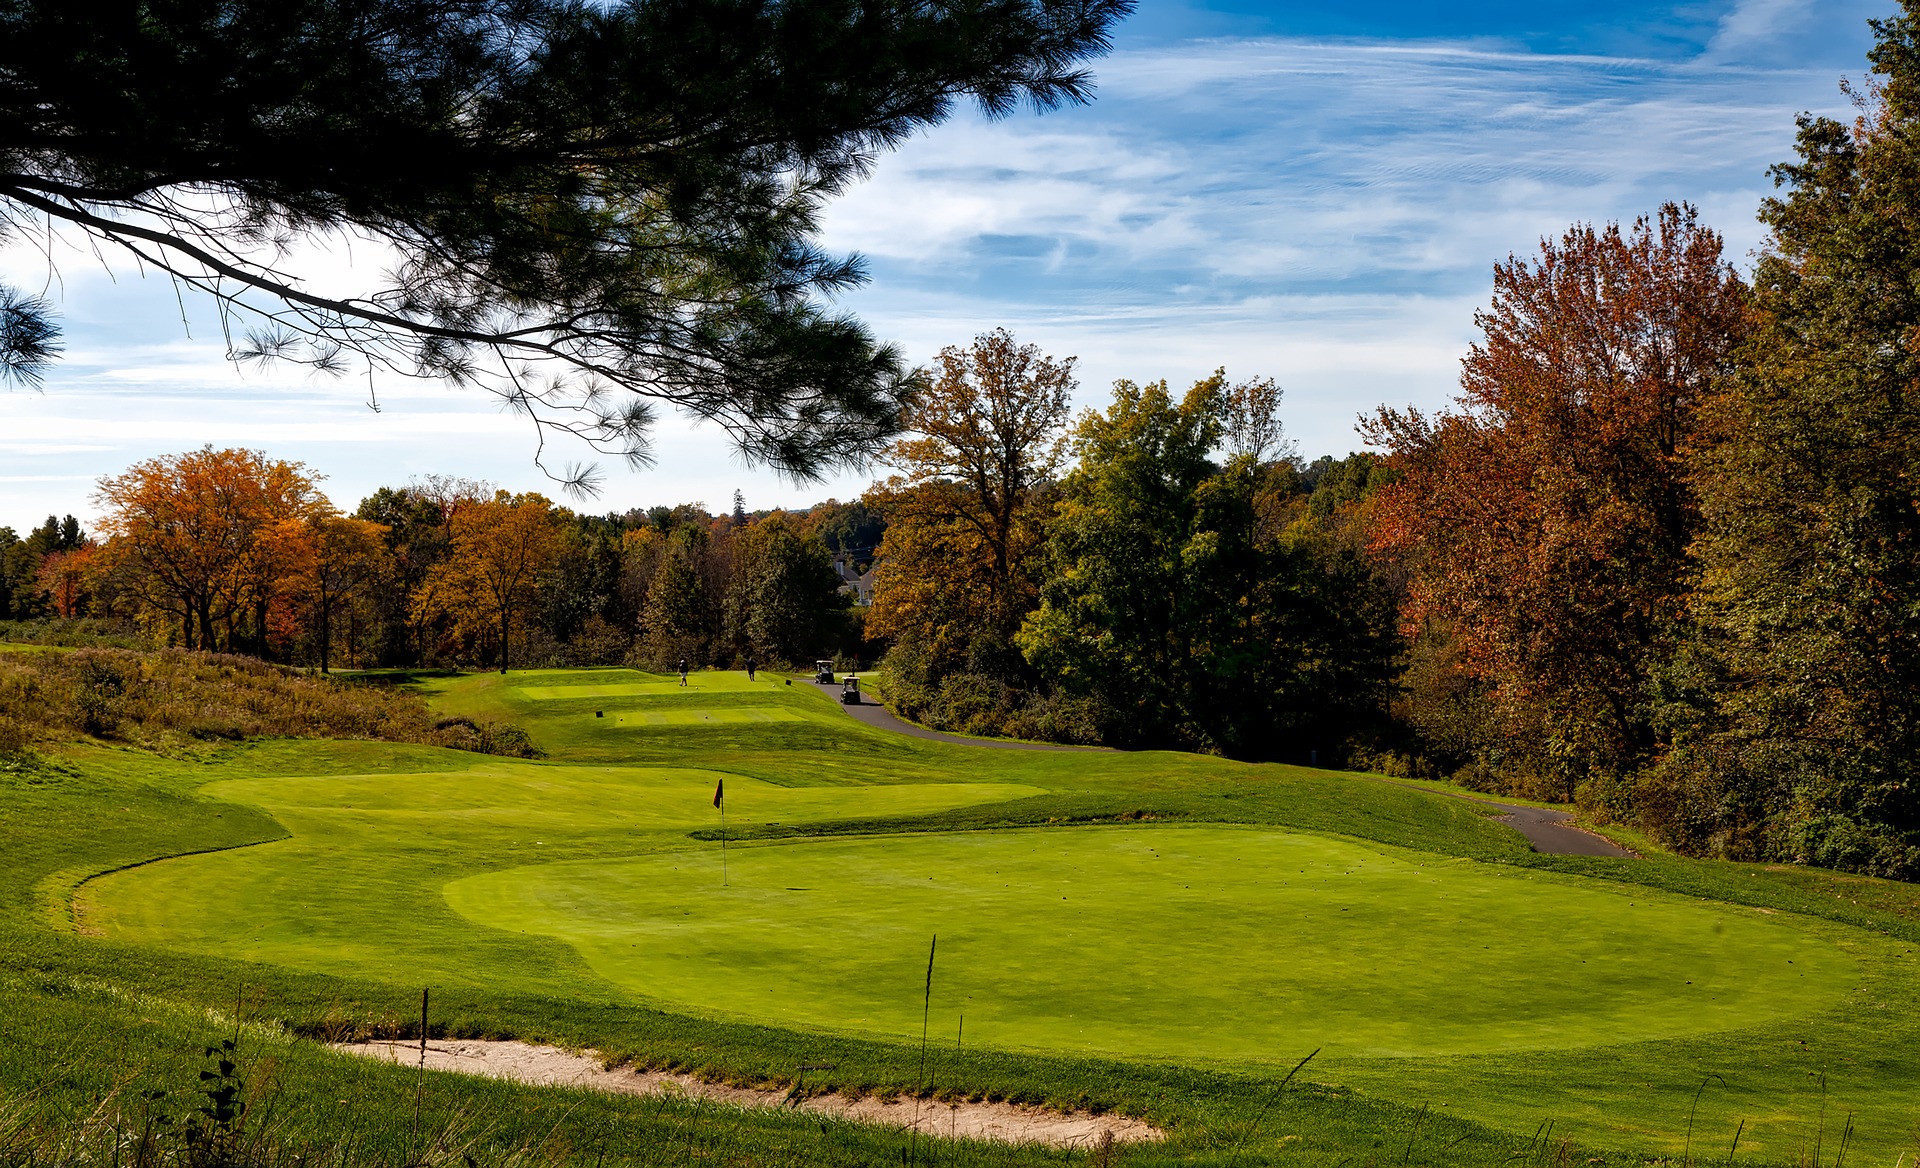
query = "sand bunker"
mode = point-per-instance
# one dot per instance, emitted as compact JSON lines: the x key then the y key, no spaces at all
{"x":551,"y":1066}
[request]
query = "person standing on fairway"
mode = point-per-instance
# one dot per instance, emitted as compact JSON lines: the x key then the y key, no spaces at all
{"x":749,"y":667}
{"x":683,"y":671}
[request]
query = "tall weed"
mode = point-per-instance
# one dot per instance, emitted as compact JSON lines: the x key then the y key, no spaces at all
{"x":170,"y":699}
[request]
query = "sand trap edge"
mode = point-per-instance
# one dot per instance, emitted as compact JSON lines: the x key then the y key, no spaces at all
{"x":552,"y":1067}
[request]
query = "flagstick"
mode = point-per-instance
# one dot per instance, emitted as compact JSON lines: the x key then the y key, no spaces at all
{"x":723,"y":844}
{"x":926,"y":1013}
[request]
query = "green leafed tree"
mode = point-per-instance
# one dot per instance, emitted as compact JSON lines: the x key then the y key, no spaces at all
{"x":1179,"y":606}
{"x":678,"y":620}
{"x":1107,"y":625}
{"x":1797,"y":716}
{"x":586,"y":207}
{"x":784,"y":601}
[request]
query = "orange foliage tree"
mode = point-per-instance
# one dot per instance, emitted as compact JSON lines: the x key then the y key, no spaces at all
{"x":64,"y":578}
{"x":187,"y":536}
{"x":986,"y":436}
{"x":1547,"y":521}
{"x":327,"y":559}
{"x":497,"y":550}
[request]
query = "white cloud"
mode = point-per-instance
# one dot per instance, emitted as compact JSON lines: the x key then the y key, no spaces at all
{"x":1761,"y":27}
{"x":1324,"y":211}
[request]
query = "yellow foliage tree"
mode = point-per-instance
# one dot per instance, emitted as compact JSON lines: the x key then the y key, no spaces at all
{"x":328,"y":558}
{"x":186,"y":535}
{"x":966,"y":510}
{"x":497,"y":550}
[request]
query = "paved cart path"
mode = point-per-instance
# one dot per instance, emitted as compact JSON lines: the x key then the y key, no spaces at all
{"x":874,"y":714}
{"x":1550,"y":832}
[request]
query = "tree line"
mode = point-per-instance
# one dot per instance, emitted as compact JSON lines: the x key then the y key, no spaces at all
{"x":1663,"y":557}
{"x":1660,"y":558}
{"x":1162,"y":573}
{"x":237,"y":552}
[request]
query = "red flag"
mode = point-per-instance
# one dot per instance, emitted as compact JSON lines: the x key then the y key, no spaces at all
{"x":719,"y":789}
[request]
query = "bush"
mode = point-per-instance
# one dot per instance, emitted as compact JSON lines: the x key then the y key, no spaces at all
{"x":168,"y":699}
{"x":84,"y":632}
{"x":1062,"y":718}
{"x":483,"y":737}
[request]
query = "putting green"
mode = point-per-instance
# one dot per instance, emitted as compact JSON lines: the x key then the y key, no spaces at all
{"x":697,"y":683}
{"x":356,"y":890}
{"x":720,"y":715}
{"x":1214,"y":943}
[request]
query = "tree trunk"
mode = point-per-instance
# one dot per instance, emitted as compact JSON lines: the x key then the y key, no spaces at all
{"x":326,"y":631}
{"x":504,"y":623}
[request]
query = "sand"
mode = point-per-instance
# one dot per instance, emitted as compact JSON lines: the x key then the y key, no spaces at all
{"x":551,"y":1066}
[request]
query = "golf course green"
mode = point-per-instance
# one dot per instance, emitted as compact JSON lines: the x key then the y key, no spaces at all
{"x":357,"y":886}
{"x":1159,"y":933}
{"x":1193,"y":943}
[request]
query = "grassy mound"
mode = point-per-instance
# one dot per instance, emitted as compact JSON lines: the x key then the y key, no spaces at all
{"x":170,"y":699}
{"x":313,"y":887}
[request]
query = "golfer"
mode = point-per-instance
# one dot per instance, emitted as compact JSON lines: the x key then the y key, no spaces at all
{"x":750,"y":668}
{"x":683,"y":671}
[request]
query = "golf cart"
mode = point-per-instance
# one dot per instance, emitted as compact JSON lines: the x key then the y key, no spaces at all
{"x":823,"y":672}
{"x":850,"y":691}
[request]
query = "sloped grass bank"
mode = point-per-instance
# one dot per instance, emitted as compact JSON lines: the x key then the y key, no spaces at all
{"x":83,"y":1013}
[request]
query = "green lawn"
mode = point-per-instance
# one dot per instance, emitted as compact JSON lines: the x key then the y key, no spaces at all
{"x":1190,"y":943}
{"x":1161,"y":933}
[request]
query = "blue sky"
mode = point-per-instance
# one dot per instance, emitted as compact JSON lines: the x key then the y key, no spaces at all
{"x":1311,"y":191}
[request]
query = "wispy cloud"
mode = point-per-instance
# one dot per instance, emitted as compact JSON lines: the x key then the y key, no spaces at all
{"x":1323,"y":210}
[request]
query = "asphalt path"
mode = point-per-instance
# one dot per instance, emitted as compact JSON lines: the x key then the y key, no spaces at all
{"x":1550,"y":832}
{"x":874,"y":714}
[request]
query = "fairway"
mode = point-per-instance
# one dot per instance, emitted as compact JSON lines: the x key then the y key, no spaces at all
{"x":1194,"y":943}
{"x":724,"y":715}
{"x":1163,"y":914}
{"x":370,"y":850}
{"x":592,"y":684}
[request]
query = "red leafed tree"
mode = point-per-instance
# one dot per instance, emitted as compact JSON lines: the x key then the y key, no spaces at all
{"x":1546,"y":522}
{"x":186,"y":534}
{"x":63,"y":580}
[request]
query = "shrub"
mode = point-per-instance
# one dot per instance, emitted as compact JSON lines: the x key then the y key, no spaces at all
{"x":168,"y":699}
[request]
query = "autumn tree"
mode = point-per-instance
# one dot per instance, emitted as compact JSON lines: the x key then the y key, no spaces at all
{"x":21,"y":562}
{"x":965,"y":510}
{"x":186,"y":534}
{"x":329,"y":560}
{"x":497,"y":549}
{"x":1546,"y":522}
{"x":1799,"y":714}
{"x":64,"y":579}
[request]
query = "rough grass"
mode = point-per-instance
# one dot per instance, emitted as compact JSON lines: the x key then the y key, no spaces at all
{"x":90,"y":1026}
{"x":172,"y":700}
{"x":77,"y":633}
{"x":85,"y":1017}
